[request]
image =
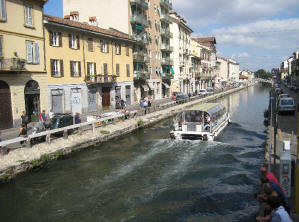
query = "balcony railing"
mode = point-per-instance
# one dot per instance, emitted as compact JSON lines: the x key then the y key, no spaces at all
{"x":165,"y":18}
{"x":141,"y":74}
{"x":140,"y":20}
{"x":167,"y":61}
{"x":166,"y":3}
{"x":12,"y":64}
{"x":100,"y":79}
{"x":166,"y":47}
{"x":166,"y":33}
{"x":141,"y":39}
{"x":167,"y":76}
{"x":141,"y":3}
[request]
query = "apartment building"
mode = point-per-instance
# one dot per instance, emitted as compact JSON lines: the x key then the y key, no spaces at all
{"x":222,"y":69}
{"x":208,"y":55}
{"x":295,"y":67}
{"x":233,"y":70}
{"x":22,"y":66}
{"x":148,"y":22}
{"x":89,"y":68}
{"x":196,"y":69}
{"x":183,"y":81}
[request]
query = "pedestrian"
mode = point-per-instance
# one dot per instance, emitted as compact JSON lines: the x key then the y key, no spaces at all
{"x":24,"y":118}
{"x":42,"y":119}
{"x":123,"y":104}
{"x":270,"y":176}
{"x":77,"y":118}
{"x":149,"y":102}
{"x":23,"y":132}
{"x":51,"y":114}
{"x":145,"y":105}
{"x":189,"y":95}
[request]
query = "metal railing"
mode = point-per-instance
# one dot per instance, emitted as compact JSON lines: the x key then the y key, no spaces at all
{"x":14,"y":64}
{"x":166,"y":32}
{"x":166,"y":3}
{"x":142,"y":3}
{"x":166,"y":18}
{"x":139,"y":19}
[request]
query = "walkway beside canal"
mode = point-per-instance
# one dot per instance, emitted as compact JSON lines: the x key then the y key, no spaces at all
{"x":286,"y":131}
{"x":24,"y":159}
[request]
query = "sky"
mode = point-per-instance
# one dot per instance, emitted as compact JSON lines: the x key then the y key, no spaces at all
{"x":258,"y":34}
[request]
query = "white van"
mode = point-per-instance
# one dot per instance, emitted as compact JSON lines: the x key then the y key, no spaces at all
{"x":286,"y":105}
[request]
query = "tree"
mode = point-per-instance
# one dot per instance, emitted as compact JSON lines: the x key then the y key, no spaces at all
{"x":263,"y":74}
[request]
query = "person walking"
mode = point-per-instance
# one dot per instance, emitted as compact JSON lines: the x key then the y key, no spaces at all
{"x":23,"y":132}
{"x":24,"y":118}
{"x":42,"y":119}
{"x":77,"y":118}
{"x":145,"y":105}
{"x":51,"y":114}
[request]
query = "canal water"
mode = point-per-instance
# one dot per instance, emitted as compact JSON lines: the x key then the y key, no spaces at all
{"x":146,"y":176}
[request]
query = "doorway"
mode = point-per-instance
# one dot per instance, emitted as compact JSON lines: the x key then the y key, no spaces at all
{"x":32,"y":100}
{"x":106,"y":97}
{"x":5,"y":109}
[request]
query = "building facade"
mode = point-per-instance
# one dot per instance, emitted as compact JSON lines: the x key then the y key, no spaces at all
{"x":89,"y":68}
{"x":183,"y":80}
{"x":23,"y":80}
{"x":233,"y":71}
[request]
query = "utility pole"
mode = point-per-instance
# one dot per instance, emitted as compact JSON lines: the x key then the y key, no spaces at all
{"x":297,"y":167}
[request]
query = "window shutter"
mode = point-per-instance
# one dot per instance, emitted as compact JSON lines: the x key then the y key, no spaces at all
{"x":101,"y":45}
{"x":127,"y":51}
{"x":105,"y":68}
{"x":95,"y":68}
{"x":50,"y":38}
{"x":61,"y":68}
{"x":52,"y":67}
{"x":119,"y":49}
{"x":70,"y":40}
{"x":88,"y":68}
{"x":29,"y":51}
{"x":90,"y":45}
{"x":79,"y":67}
{"x":71,"y":68}
{"x":60,"y":39}
{"x":117,"y":69}
{"x":1,"y":47}
{"x":128,"y":70}
{"x":36,"y":53}
{"x":107,"y":46}
{"x":3,"y":10}
{"x":78,"y":42}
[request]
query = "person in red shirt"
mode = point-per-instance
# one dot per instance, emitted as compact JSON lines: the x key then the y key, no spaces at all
{"x":270,"y":176}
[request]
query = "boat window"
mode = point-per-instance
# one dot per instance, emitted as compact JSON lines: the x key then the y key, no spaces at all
{"x":193,"y":116}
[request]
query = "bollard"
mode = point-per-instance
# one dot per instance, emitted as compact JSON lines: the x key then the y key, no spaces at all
{"x":48,"y":138}
{"x":93,"y":128}
{"x":285,"y":171}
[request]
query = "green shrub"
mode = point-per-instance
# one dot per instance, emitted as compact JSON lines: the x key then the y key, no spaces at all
{"x":140,"y":123}
{"x":104,"y":132}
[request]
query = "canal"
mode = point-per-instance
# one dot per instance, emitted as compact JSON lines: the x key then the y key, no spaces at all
{"x":146,"y":176}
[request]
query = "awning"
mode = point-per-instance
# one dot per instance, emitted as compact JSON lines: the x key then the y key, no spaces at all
{"x":145,"y":87}
{"x":139,"y":27}
{"x":210,"y":108}
{"x":166,"y":85}
{"x":171,"y":70}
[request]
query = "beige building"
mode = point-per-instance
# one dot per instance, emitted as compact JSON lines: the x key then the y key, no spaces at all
{"x":196,"y":68}
{"x":89,"y":68}
{"x":147,"y":22}
{"x":222,"y":69}
{"x":22,"y":67}
{"x":183,"y":78}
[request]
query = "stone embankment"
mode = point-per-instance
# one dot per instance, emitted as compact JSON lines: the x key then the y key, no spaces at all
{"x":25,"y":159}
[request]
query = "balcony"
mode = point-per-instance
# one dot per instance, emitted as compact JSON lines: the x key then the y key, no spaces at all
{"x":166,"y":4}
{"x":141,"y":39}
{"x":139,"y":57}
{"x":141,"y":3}
{"x":167,"y":76}
{"x":139,"y":19}
{"x":12,"y":64}
{"x":141,"y":74}
{"x":166,"y":33}
{"x":167,"y":61}
{"x":165,"y":47}
{"x":165,"y":18}
{"x":100,"y":79}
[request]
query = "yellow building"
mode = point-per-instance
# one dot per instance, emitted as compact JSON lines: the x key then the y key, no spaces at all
{"x":22,"y":67}
{"x":89,"y":68}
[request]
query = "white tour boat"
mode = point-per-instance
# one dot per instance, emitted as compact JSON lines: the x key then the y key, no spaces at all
{"x":200,"y":122}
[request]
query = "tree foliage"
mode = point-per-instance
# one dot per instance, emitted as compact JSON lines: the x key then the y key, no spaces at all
{"x":263,"y":74}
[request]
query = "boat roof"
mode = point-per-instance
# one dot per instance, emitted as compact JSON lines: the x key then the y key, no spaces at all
{"x":209,"y":108}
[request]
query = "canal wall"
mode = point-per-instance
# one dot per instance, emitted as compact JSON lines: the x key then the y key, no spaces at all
{"x":25,"y":159}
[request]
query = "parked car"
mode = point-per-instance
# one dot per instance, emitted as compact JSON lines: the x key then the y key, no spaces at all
{"x":202,"y":92}
{"x":210,"y":90}
{"x":283,"y":95}
{"x":61,"y":120}
{"x":278,"y":91}
{"x":181,"y":98}
{"x":286,"y":105}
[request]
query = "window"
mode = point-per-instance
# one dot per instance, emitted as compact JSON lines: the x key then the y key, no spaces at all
{"x":32,"y":51}
{"x":105,"y":69}
{"x":1,"y":45}
{"x":127,"y":51}
{"x":56,"y":68}
{"x":2,"y":10}
{"x":75,"y":67}
{"x":28,"y":15}
{"x":117,"y":49}
{"x":117,"y":69}
{"x":55,"y":38}
{"x":128,"y":70}
{"x":91,"y":69}
{"x":74,"y":42}
{"x":90,"y":44}
{"x":104,"y":46}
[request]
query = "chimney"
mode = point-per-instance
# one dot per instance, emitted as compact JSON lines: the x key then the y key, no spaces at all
{"x":93,"y":21}
{"x":74,"y":15}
